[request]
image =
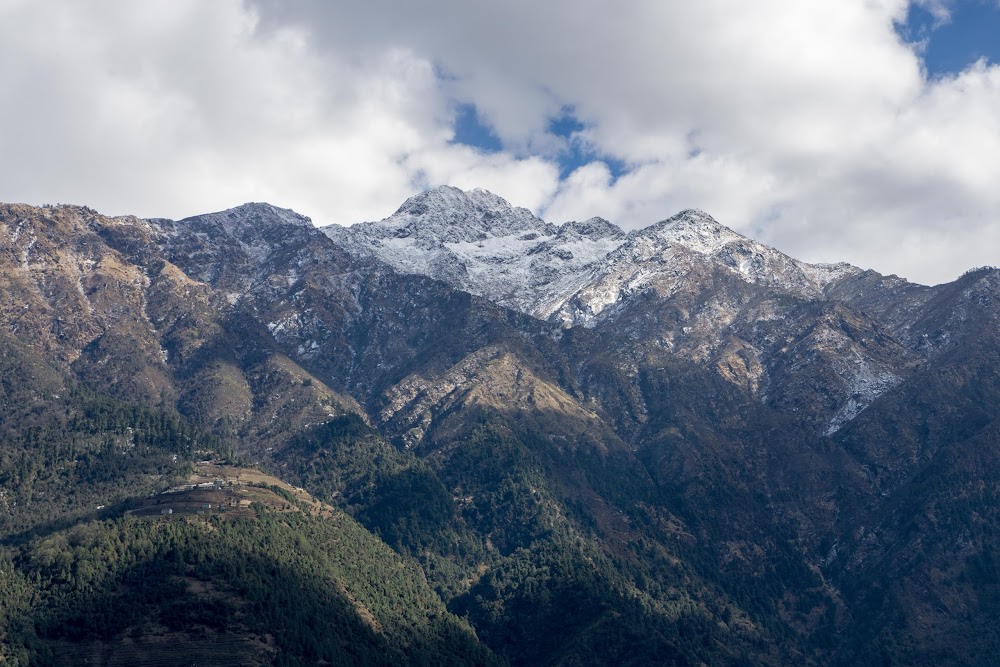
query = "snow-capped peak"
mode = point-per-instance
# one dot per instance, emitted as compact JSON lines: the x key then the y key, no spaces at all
{"x":694,"y":229}
{"x":447,"y":214}
{"x":698,"y":232}
{"x":264,"y":212}
{"x":248,"y":233}
{"x":573,"y":273}
{"x":250,"y":217}
{"x":478,"y":242}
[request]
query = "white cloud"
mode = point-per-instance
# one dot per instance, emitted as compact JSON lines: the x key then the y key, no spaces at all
{"x":810,"y":125}
{"x":176,"y":107}
{"x":527,"y":182}
{"x":940,"y":9}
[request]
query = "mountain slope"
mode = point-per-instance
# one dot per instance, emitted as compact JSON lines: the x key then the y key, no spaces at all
{"x":731,"y":457}
{"x":687,"y":285}
{"x":245,"y":571}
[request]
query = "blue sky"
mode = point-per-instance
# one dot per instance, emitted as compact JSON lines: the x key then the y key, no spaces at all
{"x":852,"y":130}
{"x":946,"y":47}
{"x":572,"y":153}
{"x":971,"y":32}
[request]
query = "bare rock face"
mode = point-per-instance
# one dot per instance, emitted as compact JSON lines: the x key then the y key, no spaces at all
{"x":74,"y":297}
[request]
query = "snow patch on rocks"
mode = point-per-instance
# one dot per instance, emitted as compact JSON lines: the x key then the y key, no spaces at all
{"x":866,"y":382}
{"x":479,"y":243}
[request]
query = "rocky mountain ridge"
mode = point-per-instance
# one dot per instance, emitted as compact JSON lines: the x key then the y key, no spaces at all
{"x":478,"y":242}
{"x":763,"y":320}
{"x":742,"y":458}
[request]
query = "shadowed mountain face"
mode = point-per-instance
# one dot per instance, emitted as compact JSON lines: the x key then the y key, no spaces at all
{"x":671,"y":445}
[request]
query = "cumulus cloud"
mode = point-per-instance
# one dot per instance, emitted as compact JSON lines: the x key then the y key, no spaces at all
{"x":177,"y":107}
{"x":812,"y":126}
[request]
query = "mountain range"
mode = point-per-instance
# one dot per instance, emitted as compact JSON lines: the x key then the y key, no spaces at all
{"x":571,"y":444}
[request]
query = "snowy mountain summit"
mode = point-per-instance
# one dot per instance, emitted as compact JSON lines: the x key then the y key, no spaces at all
{"x":757,"y":263}
{"x":666,"y":254}
{"x":570,"y":273}
{"x":477,"y":242}
{"x":447,"y":214}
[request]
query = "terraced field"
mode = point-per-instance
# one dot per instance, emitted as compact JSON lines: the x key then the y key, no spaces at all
{"x":227,"y":491}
